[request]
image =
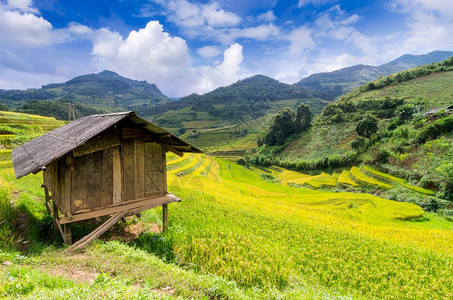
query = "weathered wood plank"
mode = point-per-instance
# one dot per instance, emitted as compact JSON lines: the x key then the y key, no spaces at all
{"x":93,"y":179}
{"x":128,"y":170}
{"x":107,"y":177}
{"x":164,"y":170}
{"x":67,"y":236}
{"x":154,"y":169}
{"x":87,"y":182}
{"x":146,"y":202}
{"x":96,"y":233}
{"x":97,"y":144}
{"x":46,"y":199}
{"x":117,"y":176}
{"x":78,"y":185}
{"x":164,"y":218}
{"x":174,"y":150}
{"x":67,"y":174}
{"x":139,"y":169}
{"x":59,"y":228}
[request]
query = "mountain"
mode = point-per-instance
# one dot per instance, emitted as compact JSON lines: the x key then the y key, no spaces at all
{"x":404,"y":141}
{"x":242,"y":101}
{"x":106,"y":90}
{"x":341,"y":81}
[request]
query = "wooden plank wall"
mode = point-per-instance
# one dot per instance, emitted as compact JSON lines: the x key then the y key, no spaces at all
{"x":133,"y":170}
{"x":155,"y":177}
{"x":86,"y":186}
{"x":143,"y":169}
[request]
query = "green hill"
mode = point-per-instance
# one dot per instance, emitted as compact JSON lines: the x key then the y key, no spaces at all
{"x":243,"y":101}
{"x":407,"y":142}
{"x":344,"y":80}
{"x":59,"y":109}
{"x":106,"y":91}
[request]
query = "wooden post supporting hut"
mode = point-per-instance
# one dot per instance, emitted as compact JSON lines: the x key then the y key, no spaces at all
{"x":109,"y":164}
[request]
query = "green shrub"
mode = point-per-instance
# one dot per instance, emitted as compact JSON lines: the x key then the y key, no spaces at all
{"x":7,"y":220}
{"x":241,"y":161}
{"x":435,"y":129}
{"x":158,"y":244}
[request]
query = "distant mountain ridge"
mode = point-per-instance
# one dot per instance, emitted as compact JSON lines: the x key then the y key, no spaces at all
{"x":251,"y":97}
{"x":341,"y":81}
{"x":106,"y":90}
{"x":111,"y":82}
{"x":246,"y":99}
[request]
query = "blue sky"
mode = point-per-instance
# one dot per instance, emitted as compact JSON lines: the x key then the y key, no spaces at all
{"x":187,"y":46}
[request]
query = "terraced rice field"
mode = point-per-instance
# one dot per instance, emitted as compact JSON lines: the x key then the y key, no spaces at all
{"x":355,"y":177}
{"x":267,"y":239}
{"x":237,"y":225}
{"x":17,"y":128}
{"x":400,"y":181}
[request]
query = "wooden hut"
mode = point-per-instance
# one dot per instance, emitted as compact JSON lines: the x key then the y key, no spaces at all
{"x":109,"y":164}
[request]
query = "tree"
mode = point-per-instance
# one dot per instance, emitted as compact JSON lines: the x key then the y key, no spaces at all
{"x":406,"y":111}
{"x":303,"y":117}
{"x":367,"y":126}
{"x":282,"y":126}
{"x":287,"y":122}
{"x":260,"y":142}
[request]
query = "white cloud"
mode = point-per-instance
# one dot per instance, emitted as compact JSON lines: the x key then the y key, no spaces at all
{"x":351,"y":20}
{"x":334,"y":24}
{"x":21,"y":29}
{"x":303,"y":3}
{"x":187,"y":14}
{"x":23,"y":79}
{"x":332,"y":63}
{"x":259,"y":33}
{"x":442,"y":7}
{"x":267,"y":17}
{"x":224,"y":74}
{"x":22,"y":5}
{"x":79,"y":29}
{"x":217,"y":17}
{"x":10,"y":60}
{"x":209,"y":51}
{"x":300,"y":41}
{"x":429,"y":24}
{"x":210,"y":22}
{"x":148,"y":53}
{"x":153,"y":55}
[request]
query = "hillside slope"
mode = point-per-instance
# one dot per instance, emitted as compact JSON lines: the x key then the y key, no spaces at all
{"x":406,"y":142}
{"x":106,"y":90}
{"x":242,"y":101}
{"x":341,"y":81}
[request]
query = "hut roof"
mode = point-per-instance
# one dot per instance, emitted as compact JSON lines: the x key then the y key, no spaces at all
{"x":435,"y":110}
{"x":36,"y":154}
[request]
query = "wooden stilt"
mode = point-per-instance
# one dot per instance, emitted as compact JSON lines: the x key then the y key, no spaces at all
{"x":55,"y":216}
{"x":47,"y":199}
{"x":67,"y":234}
{"x":164,"y":218}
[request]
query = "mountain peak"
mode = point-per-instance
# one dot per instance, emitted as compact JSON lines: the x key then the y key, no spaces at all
{"x":344,"y":80}
{"x":108,"y":73}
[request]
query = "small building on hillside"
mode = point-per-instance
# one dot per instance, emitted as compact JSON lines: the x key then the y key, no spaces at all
{"x":432,"y":114}
{"x":109,"y":164}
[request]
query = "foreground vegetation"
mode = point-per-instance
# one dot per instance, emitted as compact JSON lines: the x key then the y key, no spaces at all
{"x":249,"y":232}
{"x":239,"y":233}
